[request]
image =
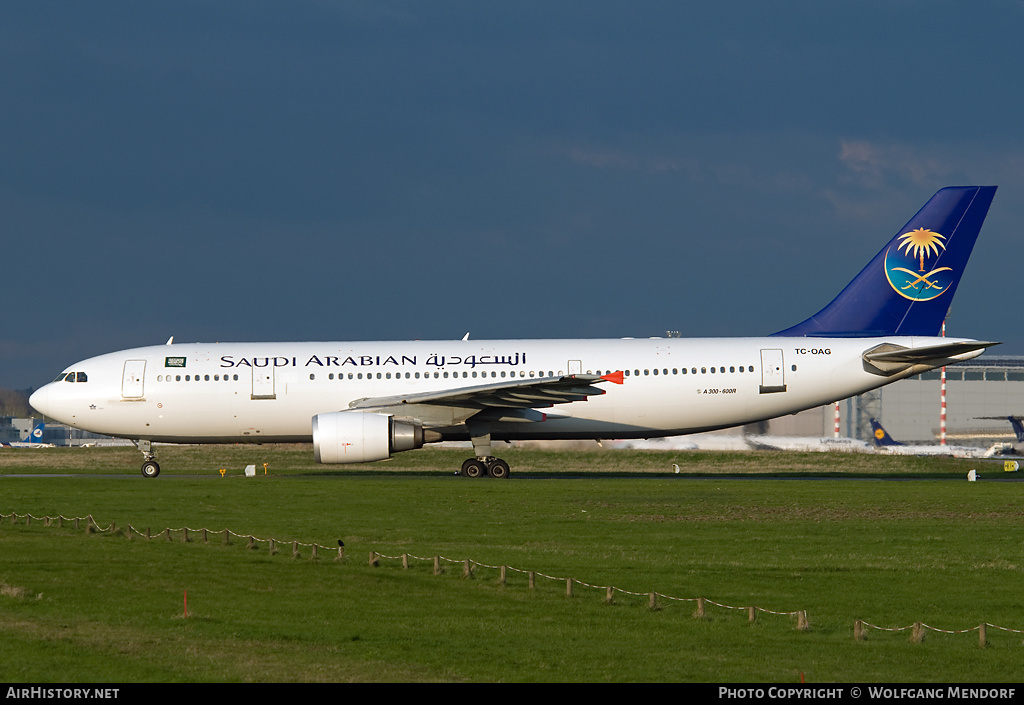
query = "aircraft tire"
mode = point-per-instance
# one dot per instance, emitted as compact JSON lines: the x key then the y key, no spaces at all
{"x":473,"y":468}
{"x":498,"y":469}
{"x":150,"y":468}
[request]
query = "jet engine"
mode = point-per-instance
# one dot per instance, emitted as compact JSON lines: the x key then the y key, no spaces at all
{"x":361,"y":437}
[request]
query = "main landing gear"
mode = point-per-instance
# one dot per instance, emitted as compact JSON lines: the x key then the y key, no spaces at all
{"x":489,"y":467}
{"x":484,"y":464}
{"x":150,"y":468}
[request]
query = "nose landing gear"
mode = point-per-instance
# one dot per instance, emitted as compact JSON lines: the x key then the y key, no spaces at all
{"x":150,"y":468}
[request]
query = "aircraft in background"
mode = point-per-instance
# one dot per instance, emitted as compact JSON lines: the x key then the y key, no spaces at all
{"x":887,"y":444}
{"x":691,"y":441}
{"x":362,"y":402}
{"x":715,"y":441}
{"x":33,"y":439}
{"x":810,"y":444}
{"x":1016,"y":425}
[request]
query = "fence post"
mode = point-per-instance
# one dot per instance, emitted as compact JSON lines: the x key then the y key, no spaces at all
{"x":609,"y":595}
{"x":533,"y":579}
{"x":652,"y":603}
{"x":467,"y":569}
{"x":374,"y":562}
{"x":437,"y":565}
{"x":699,"y":613}
{"x":568,"y":587}
{"x":858,"y":630}
{"x":917,"y":636}
{"x":502,"y":575}
{"x":983,"y":635}
{"x":405,"y":561}
{"x":801,"y":621}
{"x":751,"y":615}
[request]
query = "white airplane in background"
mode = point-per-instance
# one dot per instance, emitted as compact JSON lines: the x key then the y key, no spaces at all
{"x":810,"y":444}
{"x":33,"y":439}
{"x":361,"y":402}
{"x":887,"y":444}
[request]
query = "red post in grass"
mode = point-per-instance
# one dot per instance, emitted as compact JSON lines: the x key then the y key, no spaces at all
{"x":186,"y":602}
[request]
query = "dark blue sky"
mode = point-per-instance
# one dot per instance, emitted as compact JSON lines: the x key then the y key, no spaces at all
{"x":347,"y":170}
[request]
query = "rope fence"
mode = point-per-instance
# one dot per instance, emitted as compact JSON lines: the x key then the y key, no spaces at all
{"x":918,"y":629}
{"x":187,"y":534}
{"x":654,"y":599}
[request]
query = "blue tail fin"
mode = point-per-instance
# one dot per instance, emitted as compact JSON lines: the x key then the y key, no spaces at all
{"x":908,"y":286}
{"x":36,"y":434}
{"x":1018,"y":428}
{"x":881,"y":436}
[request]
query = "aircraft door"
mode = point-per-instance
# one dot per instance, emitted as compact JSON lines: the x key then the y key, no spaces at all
{"x":575,"y":367}
{"x":132,"y":381}
{"x":263,"y":383}
{"x":773,"y":373}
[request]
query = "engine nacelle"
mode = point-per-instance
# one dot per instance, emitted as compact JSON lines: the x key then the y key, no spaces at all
{"x":361,"y":437}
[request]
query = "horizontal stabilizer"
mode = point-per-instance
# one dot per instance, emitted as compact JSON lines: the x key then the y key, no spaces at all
{"x":932,"y":353}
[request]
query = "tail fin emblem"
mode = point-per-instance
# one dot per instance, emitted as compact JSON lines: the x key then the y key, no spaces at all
{"x":910,"y":252}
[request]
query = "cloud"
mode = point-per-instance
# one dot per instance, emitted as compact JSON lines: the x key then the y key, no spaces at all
{"x":875,"y":165}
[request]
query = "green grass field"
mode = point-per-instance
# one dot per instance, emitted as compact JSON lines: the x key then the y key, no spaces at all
{"x":891,"y":541}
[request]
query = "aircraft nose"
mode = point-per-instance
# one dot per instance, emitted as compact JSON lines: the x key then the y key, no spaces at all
{"x":40,"y":400}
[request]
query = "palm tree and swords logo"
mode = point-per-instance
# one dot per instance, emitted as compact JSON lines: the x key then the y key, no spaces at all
{"x":906,"y":270}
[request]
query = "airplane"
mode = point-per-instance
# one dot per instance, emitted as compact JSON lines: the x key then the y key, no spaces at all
{"x":887,"y":444}
{"x":714,"y":441}
{"x":693,"y":441}
{"x":32,"y":439}
{"x":364,"y":402}
{"x":1015,"y":423}
{"x":810,"y":444}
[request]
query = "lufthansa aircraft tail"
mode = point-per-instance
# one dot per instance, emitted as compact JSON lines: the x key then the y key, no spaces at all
{"x":907,"y":288}
{"x":881,"y":436}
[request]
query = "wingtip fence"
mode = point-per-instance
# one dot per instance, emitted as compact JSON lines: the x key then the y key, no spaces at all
{"x":654,"y":599}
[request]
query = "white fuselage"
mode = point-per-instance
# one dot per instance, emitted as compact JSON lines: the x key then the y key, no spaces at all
{"x":264,"y":392}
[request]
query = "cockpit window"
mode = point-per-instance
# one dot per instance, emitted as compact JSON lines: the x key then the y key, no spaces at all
{"x":72,"y":377}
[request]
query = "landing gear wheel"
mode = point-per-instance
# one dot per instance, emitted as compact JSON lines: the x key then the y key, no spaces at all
{"x":473,"y":468}
{"x":498,"y":469}
{"x":150,"y":468}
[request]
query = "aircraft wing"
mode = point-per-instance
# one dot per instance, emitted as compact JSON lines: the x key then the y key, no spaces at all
{"x":450,"y":406}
